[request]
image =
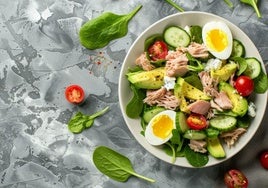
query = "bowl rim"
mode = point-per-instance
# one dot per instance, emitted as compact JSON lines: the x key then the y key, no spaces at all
{"x":153,"y":149}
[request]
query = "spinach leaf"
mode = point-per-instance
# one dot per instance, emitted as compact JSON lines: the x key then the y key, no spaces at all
{"x":242,"y":64}
{"x":135,"y":105}
{"x":253,"y":3}
{"x":229,"y":3}
{"x":196,"y":159}
{"x":196,"y":34}
{"x":261,"y":83}
{"x":114,"y":165}
{"x":179,"y":8}
{"x":98,"y":32}
{"x":79,"y":121}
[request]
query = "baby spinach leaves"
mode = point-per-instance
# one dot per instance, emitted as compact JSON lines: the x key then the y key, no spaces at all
{"x":135,"y":105}
{"x":80,"y":121}
{"x":114,"y":165}
{"x":179,"y":8}
{"x":98,"y":32}
{"x":253,"y":3}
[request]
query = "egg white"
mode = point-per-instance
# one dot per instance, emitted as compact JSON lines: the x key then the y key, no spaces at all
{"x":226,"y":52}
{"x":149,"y":135}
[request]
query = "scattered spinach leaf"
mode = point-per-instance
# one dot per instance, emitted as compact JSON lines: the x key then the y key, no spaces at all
{"x":229,"y":3}
{"x":261,"y":83}
{"x":253,"y":3}
{"x":196,"y":159}
{"x":135,"y":105}
{"x":98,"y":32}
{"x":179,"y":8}
{"x":79,"y":121}
{"x":114,"y":164}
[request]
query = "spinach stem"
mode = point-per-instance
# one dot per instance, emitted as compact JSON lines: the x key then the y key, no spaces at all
{"x":175,"y":5}
{"x":99,"y":113}
{"x":229,"y":3}
{"x":132,"y":14}
{"x":142,"y":177}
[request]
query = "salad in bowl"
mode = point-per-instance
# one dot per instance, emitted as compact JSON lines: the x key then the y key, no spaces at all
{"x":193,"y":89}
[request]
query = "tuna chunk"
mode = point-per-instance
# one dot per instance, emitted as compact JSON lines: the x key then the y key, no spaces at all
{"x":223,"y":101}
{"x":162,"y":97}
{"x":231,"y":137}
{"x":144,"y":63}
{"x":198,"y":146}
{"x":198,"y":50}
{"x":199,"y":107}
{"x":176,"y":64}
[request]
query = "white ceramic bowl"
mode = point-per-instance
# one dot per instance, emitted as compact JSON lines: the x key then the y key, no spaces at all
{"x":125,"y":93}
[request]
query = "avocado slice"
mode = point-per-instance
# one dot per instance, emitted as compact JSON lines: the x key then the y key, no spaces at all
{"x":153,"y":79}
{"x":224,"y":73}
{"x":240,"y":104}
{"x":189,"y":91}
{"x":215,"y":148}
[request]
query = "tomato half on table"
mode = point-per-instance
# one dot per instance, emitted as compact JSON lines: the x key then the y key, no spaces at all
{"x":235,"y":178}
{"x":74,"y":94}
{"x":196,"y":121}
{"x":158,"y":50}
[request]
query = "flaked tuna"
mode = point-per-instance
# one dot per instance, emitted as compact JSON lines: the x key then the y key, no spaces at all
{"x":199,"y":107}
{"x":144,"y":63}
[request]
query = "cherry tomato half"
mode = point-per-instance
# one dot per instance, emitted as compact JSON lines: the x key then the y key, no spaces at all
{"x":244,"y":85}
{"x":235,"y":179}
{"x":158,"y":50}
{"x":196,"y":121}
{"x":74,"y":94}
{"x":264,"y":159}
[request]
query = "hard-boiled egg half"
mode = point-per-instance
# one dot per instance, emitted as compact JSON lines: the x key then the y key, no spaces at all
{"x":218,"y":39}
{"x":159,"y":129}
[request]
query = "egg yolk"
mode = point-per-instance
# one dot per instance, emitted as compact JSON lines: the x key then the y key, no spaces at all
{"x":162,"y":126}
{"x":217,"y":40}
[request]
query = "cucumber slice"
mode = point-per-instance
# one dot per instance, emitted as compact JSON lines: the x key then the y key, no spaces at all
{"x":176,"y":37}
{"x":194,"y":134}
{"x":238,"y":49}
{"x":149,"y":113}
{"x":254,"y":67}
{"x":181,"y":123}
{"x":223,"y":123}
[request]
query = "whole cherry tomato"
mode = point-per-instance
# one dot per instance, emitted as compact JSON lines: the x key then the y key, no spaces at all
{"x":235,"y":179}
{"x":74,"y":94}
{"x":244,"y":85}
{"x":158,"y":50}
{"x":264,"y":159}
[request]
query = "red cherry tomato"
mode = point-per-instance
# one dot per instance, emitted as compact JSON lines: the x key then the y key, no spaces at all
{"x":158,"y":50}
{"x":235,"y":179}
{"x":74,"y":94}
{"x":244,"y":85}
{"x":196,"y":121}
{"x":264,"y":159}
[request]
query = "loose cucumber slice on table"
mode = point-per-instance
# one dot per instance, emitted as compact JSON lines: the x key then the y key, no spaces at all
{"x":254,"y":67}
{"x":176,"y":37}
{"x":238,"y":49}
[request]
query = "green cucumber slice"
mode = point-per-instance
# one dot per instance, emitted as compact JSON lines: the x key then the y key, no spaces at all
{"x":238,"y":49}
{"x":223,"y":123}
{"x":254,"y":67}
{"x":194,"y":134}
{"x":176,"y":37}
{"x":181,"y":123}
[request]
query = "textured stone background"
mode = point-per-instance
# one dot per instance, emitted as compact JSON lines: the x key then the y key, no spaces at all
{"x":40,"y":55}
